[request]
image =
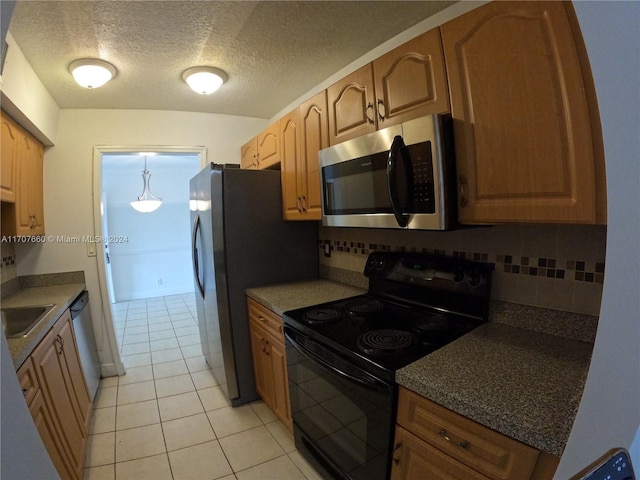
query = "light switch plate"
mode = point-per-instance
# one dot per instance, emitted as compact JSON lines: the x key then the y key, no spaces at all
{"x":91,"y":249}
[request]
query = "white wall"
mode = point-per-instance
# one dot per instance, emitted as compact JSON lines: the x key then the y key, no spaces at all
{"x":609,"y":414}
{"x":150,"y":252}
{"x":68,"y":184}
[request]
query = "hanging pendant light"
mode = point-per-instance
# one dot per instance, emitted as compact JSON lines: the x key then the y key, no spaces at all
{"x":146,"y":202}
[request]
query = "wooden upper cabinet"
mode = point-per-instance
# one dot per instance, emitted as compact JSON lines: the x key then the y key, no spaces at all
{"x":352,"y":106}
{"x":8,"y":160}
{"x":303,"y":133}
{"x":406,"y":83}
{"x":315,"y":137}
{"x":249,"y":155}
{"x":290,"y":154}
{"x":268,"y":145}
{"x":263,"y":150}
{"x":524,"y":132}
{"x":411,"y":81}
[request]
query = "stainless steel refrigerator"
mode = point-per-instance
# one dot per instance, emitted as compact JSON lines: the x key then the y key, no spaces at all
{"x":239,"y":240}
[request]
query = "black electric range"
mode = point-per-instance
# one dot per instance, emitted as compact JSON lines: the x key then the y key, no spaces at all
{"x":342,"y":356}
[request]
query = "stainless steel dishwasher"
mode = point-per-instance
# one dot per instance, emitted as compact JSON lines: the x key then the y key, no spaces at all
{"x":83,"y":329}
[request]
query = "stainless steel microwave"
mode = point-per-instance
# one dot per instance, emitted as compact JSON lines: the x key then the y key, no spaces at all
{"x":402,"y":176}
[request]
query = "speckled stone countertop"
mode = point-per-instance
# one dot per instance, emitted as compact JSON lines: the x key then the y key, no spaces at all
{"x":61,"y":296}
{"x":524,"y":384}
{"x":289,"y":296}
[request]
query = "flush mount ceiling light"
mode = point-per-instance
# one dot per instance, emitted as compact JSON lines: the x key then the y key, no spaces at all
{"x":204,"y":80}
{"x":146,"y":202}
{"x":92,"y":72}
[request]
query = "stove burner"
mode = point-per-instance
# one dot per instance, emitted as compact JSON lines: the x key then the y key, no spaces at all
{"x":386,"y":342}
{"x":322,"y":316}
{"x":364,"y":306}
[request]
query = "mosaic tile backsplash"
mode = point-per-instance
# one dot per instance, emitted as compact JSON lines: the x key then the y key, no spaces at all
{"x":553,"y":266}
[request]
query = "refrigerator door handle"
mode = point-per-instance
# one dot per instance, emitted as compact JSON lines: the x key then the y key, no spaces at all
{"x":194,"y":254}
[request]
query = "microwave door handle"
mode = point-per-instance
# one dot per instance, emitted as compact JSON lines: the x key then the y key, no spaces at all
{"x":398,"y":148}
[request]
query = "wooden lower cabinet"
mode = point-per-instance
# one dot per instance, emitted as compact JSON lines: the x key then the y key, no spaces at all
{"x":58,"y":398}
{"x":269,"y":360}
{"x":436,"y":443}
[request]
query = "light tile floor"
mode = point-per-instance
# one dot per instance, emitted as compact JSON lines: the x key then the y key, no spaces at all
{"x":167,"y":418}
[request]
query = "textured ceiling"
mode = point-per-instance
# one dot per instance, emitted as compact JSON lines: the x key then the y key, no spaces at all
{"x":273,"y":52}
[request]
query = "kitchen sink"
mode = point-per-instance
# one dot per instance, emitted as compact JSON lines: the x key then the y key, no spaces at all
{"x":20,"y":321}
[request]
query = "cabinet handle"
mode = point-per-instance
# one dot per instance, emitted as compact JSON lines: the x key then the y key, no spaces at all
{"x":59,"y":341}
{"x":396,"y":460}
{"x":462,"y":180}
{"x":381,"y":116}
{"x":303,"y":202}
{"x":369,"y":119}
{"x":268,"y":348}
{"x":24,"y":391}
{"x":443,"y":434}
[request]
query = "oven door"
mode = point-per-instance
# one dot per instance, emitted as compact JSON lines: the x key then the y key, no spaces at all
{"x":392,"y":178}
{"x":343,"y":417}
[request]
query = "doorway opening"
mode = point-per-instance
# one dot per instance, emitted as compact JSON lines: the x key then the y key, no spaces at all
{"x":142,"y":255}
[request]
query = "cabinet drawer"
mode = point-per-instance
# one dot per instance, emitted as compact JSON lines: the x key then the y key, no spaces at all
{"x":413,"y":458}
{"x":28,"y":381}
{"x":271,"y":322}
{"x":486,"y":451}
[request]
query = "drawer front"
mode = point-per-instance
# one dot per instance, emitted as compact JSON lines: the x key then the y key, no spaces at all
{"x":28,"y":380}
{"x":271,"y":322}
{"x":486,"y":451}
{"x":413,"y":459}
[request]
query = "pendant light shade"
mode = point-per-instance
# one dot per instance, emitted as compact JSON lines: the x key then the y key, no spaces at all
{"x":204,"y":80}
{"x":91,"y":72}
{"x":147,"y":202}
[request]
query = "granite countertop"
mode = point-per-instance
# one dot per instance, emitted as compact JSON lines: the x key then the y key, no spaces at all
{"x":524,"y":384}
{"x":289,"y":296}
{"x":61,"y":296}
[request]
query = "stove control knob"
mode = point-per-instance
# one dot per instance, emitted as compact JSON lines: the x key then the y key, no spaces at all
{"x":474,"y":280}
{"x":458,"y":275}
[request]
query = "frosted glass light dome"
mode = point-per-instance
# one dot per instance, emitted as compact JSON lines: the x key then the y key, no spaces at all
{"x":92,"y":73}
{"x":204,"y":80}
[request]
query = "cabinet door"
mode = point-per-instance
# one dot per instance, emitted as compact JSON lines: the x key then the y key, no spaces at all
{"x":413,"y":459}
{"x":261,"y":366}
{"x":351,"y":106}
{"x":268,"y":147}
{"x":58,"y":392}
{"x":47,"y":429}
{"x":276,"y":353}
{"x":8,"y":146}
{"x":29,"y":210}
{"x":411,"y":81}
{"x":249,"y":155}
{"x":290,"y":166}
{"x":314,"y":137}
{"x":523,"y":136}
{"x":36,"y":186}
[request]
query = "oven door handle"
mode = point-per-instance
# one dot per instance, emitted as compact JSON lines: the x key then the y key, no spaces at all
{"x":398,"y":148}
{"x":366,"y":380}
